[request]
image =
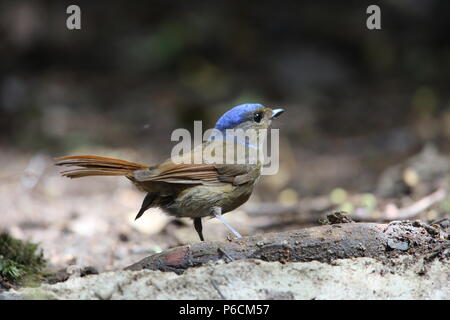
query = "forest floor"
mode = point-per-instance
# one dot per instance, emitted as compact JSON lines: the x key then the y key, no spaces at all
{"x":358,"y":278}
{"x":89,"y":224}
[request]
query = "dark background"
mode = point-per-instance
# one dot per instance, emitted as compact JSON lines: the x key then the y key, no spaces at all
{"x":361,"y":106}
{"x":137,"y":70}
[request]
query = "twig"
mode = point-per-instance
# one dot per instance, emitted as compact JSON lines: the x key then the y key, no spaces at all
{"x":316,"y":205}
{"x":394,"y":213}
{"x":421,"y":205}
{"x":214,"y":284}
{"x":220,"y":250}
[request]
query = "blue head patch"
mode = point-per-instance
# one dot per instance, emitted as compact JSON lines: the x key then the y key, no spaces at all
{"x":236,"y":115}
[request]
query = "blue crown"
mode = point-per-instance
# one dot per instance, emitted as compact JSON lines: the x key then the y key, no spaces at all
{"x":236,"y":115}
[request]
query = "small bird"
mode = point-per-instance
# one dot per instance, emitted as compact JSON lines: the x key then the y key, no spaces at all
{"x":194,"y":190}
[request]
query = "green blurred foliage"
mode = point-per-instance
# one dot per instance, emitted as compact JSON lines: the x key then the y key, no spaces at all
{"x":21,"y":262}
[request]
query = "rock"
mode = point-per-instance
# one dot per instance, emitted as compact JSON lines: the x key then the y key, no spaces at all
{"x":400,"y":245}
{"x":70,"y":272}
{"x":338,"y":217}
{"x":357,"y":278}
{"x":88,"y":271}
{"x":59,"y":276}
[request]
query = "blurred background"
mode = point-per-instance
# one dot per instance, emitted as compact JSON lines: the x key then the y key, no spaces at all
{"x":366,"y":128}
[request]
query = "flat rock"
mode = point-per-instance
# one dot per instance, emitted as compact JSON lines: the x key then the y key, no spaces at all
{"x":404,"y":277}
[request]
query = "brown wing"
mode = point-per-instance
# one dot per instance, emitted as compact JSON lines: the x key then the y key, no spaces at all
{"x":170,"y":172}
{"x":238,"y":174}
{"x":207,"y":174}
{"x":204,"y":173}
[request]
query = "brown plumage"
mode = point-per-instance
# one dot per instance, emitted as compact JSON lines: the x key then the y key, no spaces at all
{"x":97,"y":166}
{"x":179,"y":188}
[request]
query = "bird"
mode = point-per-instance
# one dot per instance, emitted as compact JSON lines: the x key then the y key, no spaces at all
{"x":186,"y":189}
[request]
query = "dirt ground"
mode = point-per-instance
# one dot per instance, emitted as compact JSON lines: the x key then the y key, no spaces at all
{"x":366,"y":132}
{"x":358,"y":278}
{"x":90,"y":222}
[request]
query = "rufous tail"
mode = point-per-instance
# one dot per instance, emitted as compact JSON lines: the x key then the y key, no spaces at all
{"x":97,"y":166}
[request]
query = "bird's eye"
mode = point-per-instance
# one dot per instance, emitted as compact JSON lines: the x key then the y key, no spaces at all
{"x":258,"y":117}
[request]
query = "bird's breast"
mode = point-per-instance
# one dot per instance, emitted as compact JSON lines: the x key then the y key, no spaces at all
{"x":199,"y":200}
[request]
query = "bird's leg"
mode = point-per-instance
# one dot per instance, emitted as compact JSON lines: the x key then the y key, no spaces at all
{"x":198,"y":227}
{"x":217,"y":212}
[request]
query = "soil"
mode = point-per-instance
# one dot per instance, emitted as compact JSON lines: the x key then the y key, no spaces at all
{"x":358,"y":278}
{"x":85,"y":226}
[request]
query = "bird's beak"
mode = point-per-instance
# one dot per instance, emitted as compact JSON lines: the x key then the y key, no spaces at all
{"x":276,"y":113}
